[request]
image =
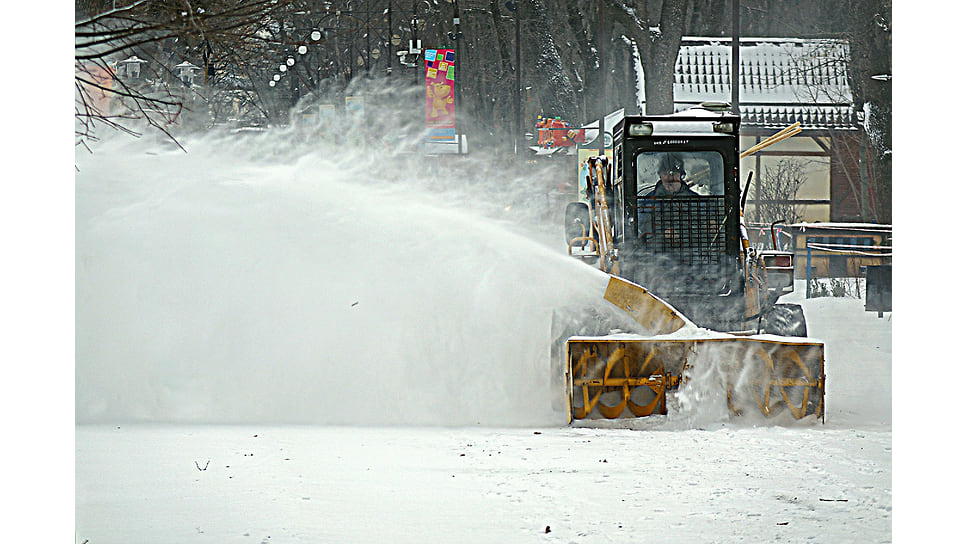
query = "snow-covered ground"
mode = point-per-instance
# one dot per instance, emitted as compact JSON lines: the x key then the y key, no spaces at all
{"x":276,"y":346}
{"x":730,"y":482}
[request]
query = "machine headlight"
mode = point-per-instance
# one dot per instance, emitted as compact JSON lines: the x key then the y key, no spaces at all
{"x":640,"y":129}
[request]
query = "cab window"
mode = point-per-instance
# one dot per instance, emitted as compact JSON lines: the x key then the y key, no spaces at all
{"x":703,"y":170}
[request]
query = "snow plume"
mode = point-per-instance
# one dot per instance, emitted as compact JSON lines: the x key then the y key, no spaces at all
{"x":306,"y":276}
{"x":702,"y":398}
{"x":716,"y":367}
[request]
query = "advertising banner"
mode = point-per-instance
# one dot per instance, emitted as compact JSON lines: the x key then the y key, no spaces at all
{"x":439,"y":82}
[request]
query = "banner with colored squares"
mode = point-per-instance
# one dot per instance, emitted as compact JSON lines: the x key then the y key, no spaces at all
{"x":439,"y":82}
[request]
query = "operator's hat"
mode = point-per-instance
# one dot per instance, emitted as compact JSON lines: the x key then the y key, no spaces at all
{"x":671,"y":162}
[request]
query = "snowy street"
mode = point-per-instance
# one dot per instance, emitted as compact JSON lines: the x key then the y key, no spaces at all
{"x":731,"y":482}
{"x":351,"y":484}
{"x":282,"y":350}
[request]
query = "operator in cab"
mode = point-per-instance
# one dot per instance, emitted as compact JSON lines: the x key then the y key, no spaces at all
{"x":672,"y":178}
{"x":671,"y":184}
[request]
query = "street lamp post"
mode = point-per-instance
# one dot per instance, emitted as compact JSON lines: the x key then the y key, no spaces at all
{"x":389,"y":36}
{"x":415,"y":45}
{"x":516,"y":137}
{"x":601,"y":74}
{"x":734,"y":76}
{"x":457,"y":99}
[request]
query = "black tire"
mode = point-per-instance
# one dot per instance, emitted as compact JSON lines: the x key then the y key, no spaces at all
{"x":785,"y":320}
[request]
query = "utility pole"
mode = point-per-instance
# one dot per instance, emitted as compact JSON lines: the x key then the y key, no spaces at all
{"x":601,"y":76}
{"x":517,"y":83}
{"x":457,"y":99}
{"x":366,"y":56}
{"x":389,"y":37}
{"x":516,"y":139}
{"x":734,"y":72}
{"x":415,"y":46}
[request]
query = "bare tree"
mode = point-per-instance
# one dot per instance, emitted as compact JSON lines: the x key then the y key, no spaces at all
{"x":650,"y":29}
{"x":147,"y":92}
{"x":870,"y":83}
{"x":554,"y":85}
{"x":779,"y":188}
{"x":574,"y":62}
{"x":821,"y":71}
{"x":656,"y":28}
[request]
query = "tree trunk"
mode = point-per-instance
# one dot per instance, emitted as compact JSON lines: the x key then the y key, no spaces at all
{"x":870,"y":65}
{"x":658,"y":40}
{"x":554,"y":88}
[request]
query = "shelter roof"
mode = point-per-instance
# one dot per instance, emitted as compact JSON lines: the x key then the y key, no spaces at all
{"x":782,"y":80}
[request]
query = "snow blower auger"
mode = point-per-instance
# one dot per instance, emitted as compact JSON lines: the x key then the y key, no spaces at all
{"x":670,"y":213}
{"x":629,"y":374}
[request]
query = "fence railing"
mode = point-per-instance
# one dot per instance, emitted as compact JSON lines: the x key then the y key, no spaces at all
{"x":880,"y":252}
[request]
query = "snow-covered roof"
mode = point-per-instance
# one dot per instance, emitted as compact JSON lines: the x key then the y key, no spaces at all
{"x":782,"y":81}
{"x":133,"y":59}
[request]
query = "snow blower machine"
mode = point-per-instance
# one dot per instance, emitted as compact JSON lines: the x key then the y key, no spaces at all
{"x":665,"y":220}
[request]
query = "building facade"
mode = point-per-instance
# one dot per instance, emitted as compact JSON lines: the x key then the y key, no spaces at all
{"x":782,"y":82}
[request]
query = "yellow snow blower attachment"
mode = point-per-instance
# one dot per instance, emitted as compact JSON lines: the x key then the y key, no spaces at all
{"x":627,"y":375}
{"x":666,"y":212}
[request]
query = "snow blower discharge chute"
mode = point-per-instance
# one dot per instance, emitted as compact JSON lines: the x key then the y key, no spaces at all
{"x":667,"y":214}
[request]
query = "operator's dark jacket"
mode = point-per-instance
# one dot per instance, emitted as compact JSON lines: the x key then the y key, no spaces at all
{"x":659,"y":191}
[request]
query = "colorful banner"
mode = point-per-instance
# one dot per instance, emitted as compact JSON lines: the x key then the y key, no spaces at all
{"x":439,"y":82}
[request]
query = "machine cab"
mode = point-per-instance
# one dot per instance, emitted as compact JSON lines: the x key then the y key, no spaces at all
{"x":676,"y":200}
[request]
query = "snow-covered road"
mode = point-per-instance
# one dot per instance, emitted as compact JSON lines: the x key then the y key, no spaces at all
{"x":264,"y":355}
{"x":263,"y":484}
{"x":727,"y":482}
